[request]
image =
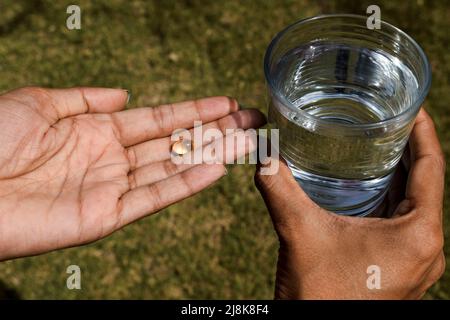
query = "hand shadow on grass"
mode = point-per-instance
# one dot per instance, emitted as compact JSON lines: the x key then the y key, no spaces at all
{"x":7,"y":293}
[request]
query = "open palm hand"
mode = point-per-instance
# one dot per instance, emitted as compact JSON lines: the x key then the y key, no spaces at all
{"x":74,"y":167}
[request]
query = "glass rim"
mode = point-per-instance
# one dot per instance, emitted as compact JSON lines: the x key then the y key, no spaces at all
{"x":405,"y":114}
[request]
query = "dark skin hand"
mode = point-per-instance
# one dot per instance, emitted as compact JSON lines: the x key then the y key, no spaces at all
{"x":325,"y":256}
{"x":75,"y":167}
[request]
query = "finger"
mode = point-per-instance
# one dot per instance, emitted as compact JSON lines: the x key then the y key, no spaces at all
{"x":406,"y":158}
{"x":433,"y":274}
{"x":151,"y":198}
{"x":156,"y":172}
{"x":55,"y":104}
{"x":225,"y":151}
{"x":159,"y":149}
{"x":396,"y":192}
{"x":284,"y":197}
{"x":141,"y":124}
{"x":437,"y":270}
{"x":425,"y":186}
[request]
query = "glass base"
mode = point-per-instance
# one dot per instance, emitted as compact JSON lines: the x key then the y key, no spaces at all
{"x":341,"y":196}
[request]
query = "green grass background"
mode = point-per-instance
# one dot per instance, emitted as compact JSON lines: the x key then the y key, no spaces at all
{"x":220,"y":243}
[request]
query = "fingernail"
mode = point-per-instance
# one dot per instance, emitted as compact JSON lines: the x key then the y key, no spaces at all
{"x":128,"y":95}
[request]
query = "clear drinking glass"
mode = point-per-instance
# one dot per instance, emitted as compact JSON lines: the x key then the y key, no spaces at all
{"x":344,"y":99}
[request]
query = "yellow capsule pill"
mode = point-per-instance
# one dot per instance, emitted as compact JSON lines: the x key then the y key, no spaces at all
{"x":181,"y":147}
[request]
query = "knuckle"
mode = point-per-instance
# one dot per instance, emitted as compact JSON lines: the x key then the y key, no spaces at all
{"x":154,"y":194}
{"x":130,"y":153}
{"x":186,"y":184}
{"x":436,"y":238}
{"x":429,"y":243}
{"x":158,"y":118}
{"x":438,"y":243}
{"x":288,"y":235}
{"x":116,"y":127}
{"x":440,"y":161}
{"x":197,"y":108}
{"x":170,"y":116}
{"x":436,"y":272}
{"x":37,"y":93}
{"x":232,"y":103}
{"x":132,"y":181}
{"x":422,"y":254}
{"x":32,"y":90}
{"x":170,"y":168}
{"x":440,"y":268}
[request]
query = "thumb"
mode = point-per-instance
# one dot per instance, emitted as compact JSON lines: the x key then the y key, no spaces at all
{"x":287,"y":203}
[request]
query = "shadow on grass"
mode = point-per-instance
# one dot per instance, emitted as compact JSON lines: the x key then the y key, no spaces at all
{"x":20,"y":17}
{"x":7,"y":293}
